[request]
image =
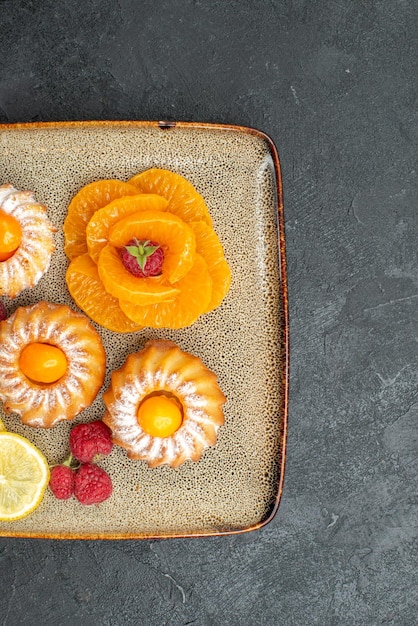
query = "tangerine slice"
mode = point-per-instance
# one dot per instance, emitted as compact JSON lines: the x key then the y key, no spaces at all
{"x":87,"y":289}
{"x":120,"y":283}
{"x":97,"y":231}
{"x":210,"y":248}
{"x":85,"y":203}
{"x":175,"y":237}
{"x":195,"y":293}
{"x":183,"y":199}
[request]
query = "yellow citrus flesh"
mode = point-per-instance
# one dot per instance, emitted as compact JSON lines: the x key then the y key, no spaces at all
{"x":42,"y":362}
{"x":24,"y":476}
{"x":160,"y":416}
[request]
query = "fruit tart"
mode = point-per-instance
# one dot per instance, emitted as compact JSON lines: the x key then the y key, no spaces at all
{"x":52,"y":363}
{"x":164,"y":406}
{"x":26,"y":241}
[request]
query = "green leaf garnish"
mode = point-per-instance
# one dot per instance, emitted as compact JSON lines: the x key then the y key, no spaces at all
{"x":141,"y":251}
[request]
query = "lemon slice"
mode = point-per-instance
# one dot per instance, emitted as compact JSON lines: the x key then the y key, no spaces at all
{"x":24,"y":476}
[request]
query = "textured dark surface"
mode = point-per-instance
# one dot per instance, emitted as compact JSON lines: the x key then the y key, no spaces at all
{"x":333,"y":83}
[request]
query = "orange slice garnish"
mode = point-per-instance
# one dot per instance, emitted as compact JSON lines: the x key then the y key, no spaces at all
{"x":82,"y":207}
{"x":195,"y":291}
{"x":97,"y":231}
{"x":87,"y":289}
{"x":175,"y":237}
{"x":210,"y":248}
{"x":120,"y":283}
{"x":183,"y":199}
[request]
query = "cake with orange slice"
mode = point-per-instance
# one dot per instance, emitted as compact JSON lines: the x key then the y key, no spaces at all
{"x":148,"y":258}
{"x":26,"y":241}
{"x":52,"y":363}
{"x":164,"y":406}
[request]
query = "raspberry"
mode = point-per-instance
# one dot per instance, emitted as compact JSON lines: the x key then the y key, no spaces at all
{"x":142,"y":258}
{"x":89,"y":440}
{"x":61,"y":482}
{"x":3,"y":312}
{"x":92,"y":484}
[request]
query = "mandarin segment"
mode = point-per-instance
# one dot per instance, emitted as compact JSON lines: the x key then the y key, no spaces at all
{"x":120,"y":283}
{"x":85,"y":203}
{"x":175,"y":237}
{"x":183,"y":199}
{"x":210,"y":248}
{"x":97,"y":231}
{"x":195,"y":294}
{"x":87,"y":289}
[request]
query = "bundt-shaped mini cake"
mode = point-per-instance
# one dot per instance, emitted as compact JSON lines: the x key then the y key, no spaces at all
{"x":164,"y":406}
{"x":26,"y":241}
{"x":52,"y":363}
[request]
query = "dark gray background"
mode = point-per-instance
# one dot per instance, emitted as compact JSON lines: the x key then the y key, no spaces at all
{"x":332,"y":82}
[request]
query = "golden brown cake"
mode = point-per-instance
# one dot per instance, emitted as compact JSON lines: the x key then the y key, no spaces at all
{"x":163,"y":374}
{"x":52,"y":363}
{"x":35,"y":244}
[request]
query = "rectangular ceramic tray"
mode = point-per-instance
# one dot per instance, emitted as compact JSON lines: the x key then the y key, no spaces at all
{"x":237,"y":484}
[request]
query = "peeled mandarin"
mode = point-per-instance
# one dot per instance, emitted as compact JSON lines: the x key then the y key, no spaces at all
{"x":175,"y":237}
{"x":183,"y":199}
{"x":97,"y":231}
{"x":42,"y":363}
{"x":160,"y":416}
{"x":10,"y":235}
{"x":195,"y":291}
{"x":83,"y":206}
{"x":88,"y":291}
{"x":120,"y":283}
{"x":210,"y":248}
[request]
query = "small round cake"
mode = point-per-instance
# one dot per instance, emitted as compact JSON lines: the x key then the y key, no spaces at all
{"x":26,"y":241}
{"x":52,"y":363}
{"x":164,"y":406}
